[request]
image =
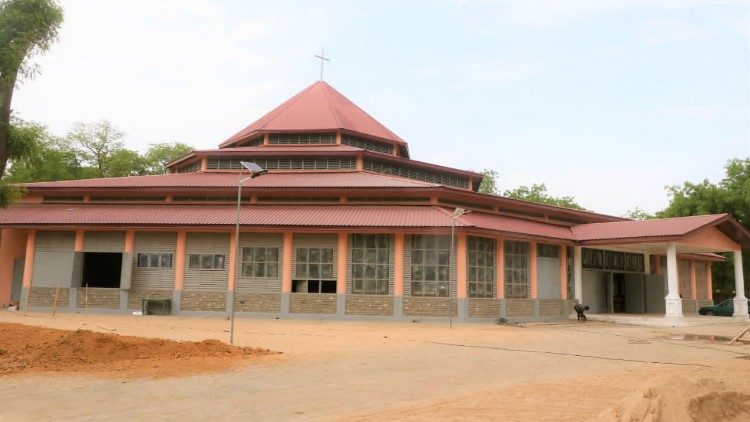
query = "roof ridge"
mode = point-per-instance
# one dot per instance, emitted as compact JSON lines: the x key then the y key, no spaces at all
{"x":284,"y":106}
{"x":333,"y":109}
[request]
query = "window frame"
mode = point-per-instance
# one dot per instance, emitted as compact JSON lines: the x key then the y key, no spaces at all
{"x":201,"y":258}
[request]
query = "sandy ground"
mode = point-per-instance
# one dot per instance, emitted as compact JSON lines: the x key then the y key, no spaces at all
{"x":346,"y":370}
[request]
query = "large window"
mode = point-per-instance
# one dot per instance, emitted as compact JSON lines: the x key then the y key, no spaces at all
{"x":430,"y":265}
{"x":481,"y":267}
{"x":155,"y":260}
{"x":314,"y":271}
{"x":516,"y":270}
{"x":370,"y":261}
{"x":206,"y":262}
{"x":260,"y":262}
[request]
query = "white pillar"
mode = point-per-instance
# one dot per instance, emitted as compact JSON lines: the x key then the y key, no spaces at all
{"x":578,"y":274}
{"x":672,"y":301}
{"x":740,"y":301}
{"x":646,"y":264}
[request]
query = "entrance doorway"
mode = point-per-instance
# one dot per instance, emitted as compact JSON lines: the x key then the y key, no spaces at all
{"x":102,"y":269}
{"x":15,"y":289}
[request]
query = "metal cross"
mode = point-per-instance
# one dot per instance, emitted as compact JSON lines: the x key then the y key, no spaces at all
{"x":323,"y":59}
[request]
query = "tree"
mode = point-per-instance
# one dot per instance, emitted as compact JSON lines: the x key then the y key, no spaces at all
{"x":48,"y":158}
{"x":159,"y":155}
{"x":97,"y":144}
{"x":538,"y":193}
{"x":638,"y":214}
{"x":731,"y":195}
{"x":125,"y":162}
{"x":27,"y":28}
{"x":489,"y":182}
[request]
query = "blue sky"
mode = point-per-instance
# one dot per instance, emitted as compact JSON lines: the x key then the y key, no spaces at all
{"x":608,"y":101}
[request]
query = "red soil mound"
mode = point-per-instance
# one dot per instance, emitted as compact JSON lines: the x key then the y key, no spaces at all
{"x":34,"y":349}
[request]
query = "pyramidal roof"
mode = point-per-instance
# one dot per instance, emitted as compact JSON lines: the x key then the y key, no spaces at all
{"x":319,"y":107}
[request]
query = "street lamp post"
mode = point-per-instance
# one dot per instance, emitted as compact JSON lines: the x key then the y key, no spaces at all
{"x":456,"y":213}
{"x":255,"y":171}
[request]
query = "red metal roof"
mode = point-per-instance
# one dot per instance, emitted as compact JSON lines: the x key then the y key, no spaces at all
{"x":516,"y":225}
{"x":317,"y":108}
{"x":663,"y":227}
{"x":227,"y":180}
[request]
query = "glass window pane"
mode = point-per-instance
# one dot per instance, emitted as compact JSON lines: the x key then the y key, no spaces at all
{"x":247,"y":254}
{"x":430,"y":274}
{"x":371,"y":256}
{"x":313,"y":271}
{"x":370,"y":242}
{"x":358,"y":255}
{"x":382,"y":272}
{"x":301,"y":270}
{"x":272,"y":270}
{"x":417,"y":273}
{"x":326,"y":256}
{"x":382,"y":256}
{"x":260,"y":254}
{"x":246,"y":268}
{"x":326,"y":271}
{"x":207,"y":261}
{"x":313,"y":255}
{"x":166,"y":260}
{"x":194,"y":261}
{"x":143,"y":260}
{"x":301,"y":255}
{"x":153,"y":260}
{"x":259,"y":270}
{"x":370,"y":271}
{"x":416,"y":257}
{"x":273,"y":254}
{"x":219,"y":261}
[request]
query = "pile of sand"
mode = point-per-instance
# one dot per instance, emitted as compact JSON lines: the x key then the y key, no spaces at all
{"x":34,"y":349}
{"x":679,"y":398}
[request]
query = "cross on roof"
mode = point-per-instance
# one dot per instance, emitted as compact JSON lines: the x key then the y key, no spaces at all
{"x":323,"y":59}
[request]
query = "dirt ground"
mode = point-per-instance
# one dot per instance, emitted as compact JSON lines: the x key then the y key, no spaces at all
{"x":372,"y":370}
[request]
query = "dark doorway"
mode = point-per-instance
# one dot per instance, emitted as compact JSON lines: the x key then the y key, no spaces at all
{"x":101,"y":269}
{"x":618,"y":294}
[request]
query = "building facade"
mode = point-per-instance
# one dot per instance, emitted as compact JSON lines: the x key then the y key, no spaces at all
{"x":344,"y":224}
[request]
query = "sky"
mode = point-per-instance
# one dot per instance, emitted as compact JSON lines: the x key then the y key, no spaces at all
{"x":608,"y":101}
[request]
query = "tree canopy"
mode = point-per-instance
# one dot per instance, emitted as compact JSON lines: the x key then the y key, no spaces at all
{"x":27,"y":28}
{"x":538,"y":193}
{"x":489,"y":182}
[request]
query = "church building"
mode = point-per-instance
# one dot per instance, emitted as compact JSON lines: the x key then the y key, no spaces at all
{"x":343,"y":223}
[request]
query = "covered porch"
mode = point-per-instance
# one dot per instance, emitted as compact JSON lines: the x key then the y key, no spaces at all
{"x":674,"y":279}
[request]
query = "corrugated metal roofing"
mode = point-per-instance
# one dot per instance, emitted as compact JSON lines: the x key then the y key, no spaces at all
{"x":664,"y":227}
{"x":318,"y":107}
{"x":226,"y":180}
{"x":516,"y":225}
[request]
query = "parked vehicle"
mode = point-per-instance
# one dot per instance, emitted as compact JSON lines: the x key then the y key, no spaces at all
{"x":725,"y":308}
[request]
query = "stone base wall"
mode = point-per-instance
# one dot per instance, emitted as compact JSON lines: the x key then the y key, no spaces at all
{"x":369,"y":305}
{"x":98,"y":298}
{"x":428,"y":306}
{"x":135,"y":296}
{"x":688,"y":306}
{"x":551,"y":307}
{"x":520,"y":307}
{"x":203,"y":301}
{"x":484,"y":308}
{"x":45,"y":297}
{"x":704,"y":302}
{"x":312,"y":303}
{"x":257,"y":302}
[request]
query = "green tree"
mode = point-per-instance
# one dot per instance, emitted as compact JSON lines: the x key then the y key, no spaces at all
{"x":125,"y":162}
{"x":538,"y":193}
{"x":489,"y":182}
{"x":27,"y":28}
{"x":159,"y":155}
{"x":98,"y":144}
{"x":731,"y":195}
{"x":638,"y":214}
{"x":48,"y":158}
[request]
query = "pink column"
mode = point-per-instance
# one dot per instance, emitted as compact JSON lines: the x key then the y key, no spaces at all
{"x":563,"y":272}
{"x":28,"y":268}
{"x":179,"y":259}
{"x":286,"y":268}
{"x":398,"y":265}
{"x":342,"y":260}
{"x":232,"y":261}
{"x":693,"y":280}
{"x":461,"y":265}
{"x":80,"y":236}
{"x":500,"y":268}
{"x":129,"y":241}
{"x":710,"y":281}
{"x":533,"y":270}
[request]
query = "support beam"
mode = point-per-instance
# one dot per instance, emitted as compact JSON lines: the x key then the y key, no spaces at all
{"x":693,"y":280}
{"x":342,"y":260}
{"x":28,"y":268}
{"x":646,"y":264}
{"x":563,"y":272}
{"x":398,"y":265}
{"x":710,"y":281}
{"x":232,"y":268}
{"x":740,"y":301}
{"x":672,"y":301}
{"x":578,"y":273}
{"x":179,"y":259}
{"x":286,"y":263}
{"x":461,"y":276}
{"x":533,"y":273}
{"x":500,"y":268}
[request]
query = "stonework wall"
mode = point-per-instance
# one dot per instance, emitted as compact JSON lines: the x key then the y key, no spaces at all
{"x":312,"y":303}
{"x":688,"y":306}
{"x":520,"y":308}
{"x":257,"y":302}
{"x":45,"y":297}
{"x":484,"y":308}
{"x":428,"y":306}
{"x":203,"y":301}
{"x":98,"y":298}
{"x":551,"y":307}
{"x":135,"y":296}
{"x":369,"y":305}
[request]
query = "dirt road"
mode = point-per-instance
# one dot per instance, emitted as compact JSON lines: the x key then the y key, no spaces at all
{"x":344,"y":370}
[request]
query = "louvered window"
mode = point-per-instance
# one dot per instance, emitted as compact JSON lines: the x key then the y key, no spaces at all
{"x":302,"y":139}
{"x":378,"y":166}
{"x":367,"y":144}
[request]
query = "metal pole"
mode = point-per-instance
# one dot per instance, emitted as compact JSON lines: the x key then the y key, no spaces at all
{"x":450,"y":276}
{"x":236,"y":258}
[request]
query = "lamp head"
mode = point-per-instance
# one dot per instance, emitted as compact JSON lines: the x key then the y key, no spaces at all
{"x":459,"y":212}
{"x":254,"y":169}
